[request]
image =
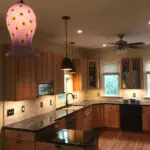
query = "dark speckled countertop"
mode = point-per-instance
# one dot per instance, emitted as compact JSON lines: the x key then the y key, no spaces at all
{"x":73,"y":138}
{"x":42,"y":121}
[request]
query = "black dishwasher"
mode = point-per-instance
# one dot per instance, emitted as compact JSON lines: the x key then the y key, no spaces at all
{"x":131,"y":117}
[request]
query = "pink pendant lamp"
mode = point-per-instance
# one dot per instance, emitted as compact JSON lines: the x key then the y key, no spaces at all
{"x":21,"y":23}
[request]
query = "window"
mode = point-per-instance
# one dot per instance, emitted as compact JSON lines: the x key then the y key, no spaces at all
{"x":111,"y":85}
{"x":147,"y":74}
{"x":148,"y":84}
{"x":111,"y":79}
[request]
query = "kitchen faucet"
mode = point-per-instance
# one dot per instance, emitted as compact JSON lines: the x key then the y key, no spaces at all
{"x":73,"y":96}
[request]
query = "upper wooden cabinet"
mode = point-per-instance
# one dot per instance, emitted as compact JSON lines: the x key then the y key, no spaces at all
{"x":132,"y":73}
{"x":19,"y":77}
{"x":44,"y":67}
{"x":80,"y":77}
{"x":93,"y":74}
{"x":58,"y":74}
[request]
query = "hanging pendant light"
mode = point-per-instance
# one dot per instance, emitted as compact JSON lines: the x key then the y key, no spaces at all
{"x":21,"y":23}
{"x":66,"y":63}
{"x":73,"y":71}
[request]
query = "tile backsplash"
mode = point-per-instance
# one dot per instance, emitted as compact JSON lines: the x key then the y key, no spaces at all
{"x":32,"y":108}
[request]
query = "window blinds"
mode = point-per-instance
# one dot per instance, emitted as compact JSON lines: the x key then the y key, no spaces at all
{"x":147,"y":66}
{"x":110,"y":68}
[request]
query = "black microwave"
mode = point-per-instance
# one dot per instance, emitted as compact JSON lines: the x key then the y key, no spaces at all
{"x":45,"y":89}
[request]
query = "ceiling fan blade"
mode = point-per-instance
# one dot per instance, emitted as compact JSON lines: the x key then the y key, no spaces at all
{"x":136,"y":44}
{"x":112,"y":43}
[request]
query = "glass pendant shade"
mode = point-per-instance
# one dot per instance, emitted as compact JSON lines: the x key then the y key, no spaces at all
{"x":66,"y":64}
{"x":21,"y":24}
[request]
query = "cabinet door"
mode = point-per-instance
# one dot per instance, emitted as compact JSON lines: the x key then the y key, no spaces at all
{"x":80,"y":77}
{"x":79,"y":120}
{"x":58,"y":74}
{"x":27,"y":145}
{"x":114,"y":119}
{"x":146,"y":118}
{"x":98,"y":116}
{"x":45,"y":146}
{"x":61,"y":124}
{"x":25,"y":86}
{"x":106,"y":117}
{"x":10,"y":144}
{"x":65,"y":147}
{"x":9,"y":77}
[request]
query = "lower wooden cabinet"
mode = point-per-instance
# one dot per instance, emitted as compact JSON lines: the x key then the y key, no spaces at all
{"x":80,"y":120}
{"x":61,"y":124}
{"x":49,"y":146}
{"x":18,"y":140}
{"x":111,"y":116}
{"x":146,"y":118}
{"x":98,"y":116}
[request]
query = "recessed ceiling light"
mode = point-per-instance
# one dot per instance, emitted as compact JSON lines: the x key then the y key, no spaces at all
{"x":79,"y":31}
{"x":149,"y":22}
{"x":104,"y":45}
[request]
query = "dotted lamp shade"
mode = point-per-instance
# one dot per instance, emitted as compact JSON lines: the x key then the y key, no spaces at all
{"x":21,"y":23}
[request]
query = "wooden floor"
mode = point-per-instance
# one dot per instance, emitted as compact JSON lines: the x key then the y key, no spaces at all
{"x":118,"y":140}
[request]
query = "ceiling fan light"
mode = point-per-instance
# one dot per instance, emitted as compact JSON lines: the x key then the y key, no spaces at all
{"x":66,"y":64}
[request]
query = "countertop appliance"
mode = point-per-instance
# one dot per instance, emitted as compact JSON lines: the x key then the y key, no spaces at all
{"x":45,"y":89}
{"x":131,"y":117}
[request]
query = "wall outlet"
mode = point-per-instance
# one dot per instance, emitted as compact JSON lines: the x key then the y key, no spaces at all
{"x":10,"y":112}
{"x":41,"y":104}
{"x":98,"y":94}
{"x":50,"y":102}
{"x":22,"y":108}
{"x":134,"y":95}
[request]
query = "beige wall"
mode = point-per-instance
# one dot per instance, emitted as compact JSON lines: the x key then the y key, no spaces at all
{"x":107,"y":55}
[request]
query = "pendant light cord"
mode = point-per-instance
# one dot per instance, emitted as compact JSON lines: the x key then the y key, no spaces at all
{"x":66,"y":38}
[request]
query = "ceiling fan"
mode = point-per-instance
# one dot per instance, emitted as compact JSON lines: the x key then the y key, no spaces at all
{"x":121,"y":44}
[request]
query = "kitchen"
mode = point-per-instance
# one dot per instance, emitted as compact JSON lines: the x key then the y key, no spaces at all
{"x":110,"y":91}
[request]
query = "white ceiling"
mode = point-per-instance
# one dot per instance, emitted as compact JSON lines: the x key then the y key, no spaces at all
{"x":100,"y":20}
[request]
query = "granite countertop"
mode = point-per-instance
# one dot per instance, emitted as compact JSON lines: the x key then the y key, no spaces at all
{"x":72,"y":137}
{"x":42,"y":121}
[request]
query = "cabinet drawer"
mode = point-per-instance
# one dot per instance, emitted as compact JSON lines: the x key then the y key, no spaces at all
{"x":21,"y":135}
{"x":88,"y":111}
{"x":115,"y":108}
{"x":146,"y":109}
{"x":107,"y":106}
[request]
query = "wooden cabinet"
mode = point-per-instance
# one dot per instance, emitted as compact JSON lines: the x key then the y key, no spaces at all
{"x":79,"y":120}
{"x":45,"y":146}
{"x":61,"y":124}
{"x":93,"y":74}
{"x":19,"y":77}
{"x":49,"y":146}
{"x":25,"y":79}
{"x":132,"y":73}
{"x":88,"y":118}
{"x":84,"y":119}
{"x":44,"y":67}
{"x":80,"y":77}
{"x":58,"y":74}
{"x":146,"y":118}
{"x":98,"y":116}
{"x":111,"y":116}
{"x":18,"y":140}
